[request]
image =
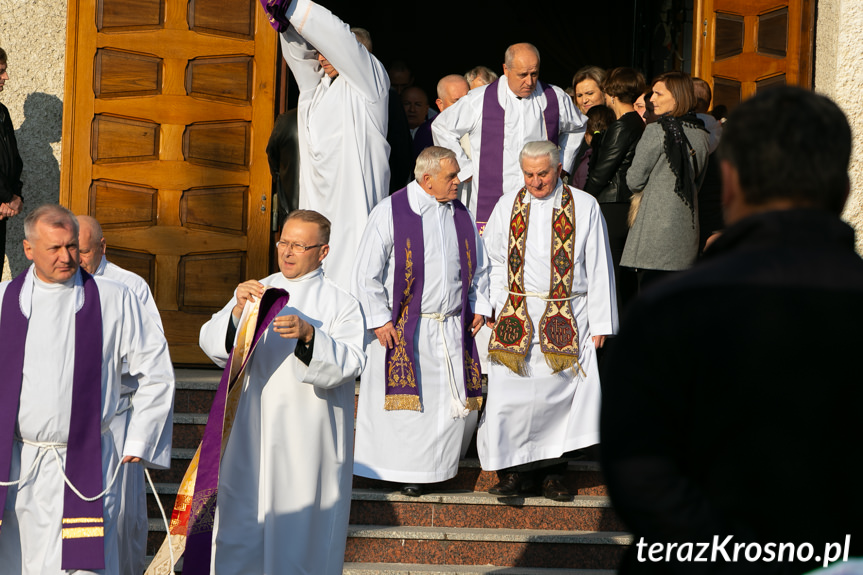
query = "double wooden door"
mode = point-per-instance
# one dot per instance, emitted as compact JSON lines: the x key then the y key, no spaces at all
{"x":743,"y":46}
{"x":168,"y":108}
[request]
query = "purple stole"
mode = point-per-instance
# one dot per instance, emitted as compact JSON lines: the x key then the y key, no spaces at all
{"x":83,"y":521}
{"x":275,"y":11}
{"x":402,"y":391}
{"x":491,"y":149}
{"x":203,"y":513}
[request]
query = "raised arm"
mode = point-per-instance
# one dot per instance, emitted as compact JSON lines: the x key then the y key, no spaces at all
{"x":326,"y":33}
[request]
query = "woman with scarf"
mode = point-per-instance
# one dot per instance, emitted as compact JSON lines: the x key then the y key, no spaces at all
{"x":665,"y":175}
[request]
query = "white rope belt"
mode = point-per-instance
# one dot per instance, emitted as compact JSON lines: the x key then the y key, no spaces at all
{"x":458,"y":410}
{"x":46,"y":446}
{"x":543,"y":295}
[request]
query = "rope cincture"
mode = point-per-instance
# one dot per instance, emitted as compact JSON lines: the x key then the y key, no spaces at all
{"x":457,"y":409}
{"x":46,"y":446}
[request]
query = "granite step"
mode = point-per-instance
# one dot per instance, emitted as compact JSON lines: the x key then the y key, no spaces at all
{"x":416,"y":569}
{"x":471,"y":509}
{"x":479,"y":546}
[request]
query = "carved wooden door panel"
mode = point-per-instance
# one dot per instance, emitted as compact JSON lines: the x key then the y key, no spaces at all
{"x":743,"y":46}
{"x":167,"y":112}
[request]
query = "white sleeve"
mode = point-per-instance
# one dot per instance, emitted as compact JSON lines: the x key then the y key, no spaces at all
{"x":479,"y":294}
{"x":370,"y":265}
{"x":496,"y":239}
{"x":301,"y":60}
{"x":601,"y":292}
{"x":571,"y":131}
{"x":326,"y":33}
{"x":463,"y":117}
{"x":338,"y":356}
{"x":146,"y":351}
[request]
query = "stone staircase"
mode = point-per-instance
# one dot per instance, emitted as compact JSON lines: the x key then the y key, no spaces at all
{"x":456,"y":527}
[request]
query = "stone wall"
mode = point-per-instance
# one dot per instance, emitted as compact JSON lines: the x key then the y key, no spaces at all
{"x":33,"y":33}
{"x":839,"y":75}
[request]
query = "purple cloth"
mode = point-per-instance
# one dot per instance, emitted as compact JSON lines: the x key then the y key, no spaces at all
{"x":199,"y":532}
{"x":491,"y":150}
{"x":275,"y":10}
{"x":408,"y":279}
{"x":84,"y":449}
{"x":408,"y":225}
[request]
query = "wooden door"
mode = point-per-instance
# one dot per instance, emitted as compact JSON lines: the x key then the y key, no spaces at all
{"x":742,"y":46}
{"x":167,"y":112}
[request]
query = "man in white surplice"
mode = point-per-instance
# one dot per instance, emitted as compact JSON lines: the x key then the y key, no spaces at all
{"x":285,"y":476}
{"x":403,"y":445}
{"x":531,"y":420}
{"x":30,"y":542}
{"x":132,"y":523}
{"x":342,"y":115}
{"x":524,"y":102}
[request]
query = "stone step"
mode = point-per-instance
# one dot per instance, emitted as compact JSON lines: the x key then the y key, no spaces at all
{"x":479,"y":547}
{"x":415,"y":569}
{"x":482,"y":510}
{"x":581,"y":477}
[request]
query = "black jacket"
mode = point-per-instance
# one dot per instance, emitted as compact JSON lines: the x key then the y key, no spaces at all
{"x":606,"y":180}
{"x":733,"y":391}
{"x":10,"y":159}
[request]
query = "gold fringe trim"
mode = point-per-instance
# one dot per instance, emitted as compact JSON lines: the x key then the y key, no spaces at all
{"x":72,"y":520}
{"x":474,"y":403}
{"x":402,"y":402}
{"x":559,"y":362}
{"x":515,"y":362}
{"x":83,"y":532}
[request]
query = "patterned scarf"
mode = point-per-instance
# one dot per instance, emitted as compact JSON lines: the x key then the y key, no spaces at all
{"x":558,"y":331}
{"x":681,"y":157}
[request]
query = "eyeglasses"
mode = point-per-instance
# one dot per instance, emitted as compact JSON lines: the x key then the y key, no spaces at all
{"x":296,"y":248}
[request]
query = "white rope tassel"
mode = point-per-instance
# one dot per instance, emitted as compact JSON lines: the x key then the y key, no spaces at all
{"x":457,"y":409}
{"x":164,"y":519}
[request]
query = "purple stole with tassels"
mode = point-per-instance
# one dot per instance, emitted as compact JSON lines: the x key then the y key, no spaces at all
{"x":199,"y":533}
{"x":83,"y":521}
{"x":491,"y":149}
{"x":402,"y":391}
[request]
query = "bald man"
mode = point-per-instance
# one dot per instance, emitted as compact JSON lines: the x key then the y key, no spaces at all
{"x":501,"y":118}
{"x":132,"y":517}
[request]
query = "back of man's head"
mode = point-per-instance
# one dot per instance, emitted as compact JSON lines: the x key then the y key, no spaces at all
{"x":789,"y":144}
{"x":703,"y":95}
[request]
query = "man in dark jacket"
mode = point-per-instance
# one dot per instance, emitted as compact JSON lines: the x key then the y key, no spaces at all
{"x":733,"y":390}
{"x":10,"y":165}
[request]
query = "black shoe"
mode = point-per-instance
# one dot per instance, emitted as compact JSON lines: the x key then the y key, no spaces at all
{"x":553,"y":489}
{"x":508,"y":486}
{"x":412,"y":490}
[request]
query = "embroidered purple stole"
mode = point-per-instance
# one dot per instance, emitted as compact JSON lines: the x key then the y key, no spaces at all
{"x":402,"y":391}
{"x":202,"y":516}
{"x":83,"y":521}
{"x":491,"y":149}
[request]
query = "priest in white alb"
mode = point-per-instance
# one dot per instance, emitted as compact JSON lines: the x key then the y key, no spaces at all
{"x":284,"y":485}
{"x":132,"y":524}
{"x":66,"y":337}
{"x":552,"y":288}
{"x":342,"y":116}
{"x":422,"y":279}
{"x":501,"y":118}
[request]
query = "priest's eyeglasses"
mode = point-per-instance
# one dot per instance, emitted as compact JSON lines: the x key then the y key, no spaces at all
{"x":294,"y":247}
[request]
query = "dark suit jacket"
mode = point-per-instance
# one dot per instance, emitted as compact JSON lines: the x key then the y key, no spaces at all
{"x":732,"y":397}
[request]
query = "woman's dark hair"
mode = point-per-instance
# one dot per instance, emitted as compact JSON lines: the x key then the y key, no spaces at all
{"x":599,"y":118}
{"x":625,"y":84}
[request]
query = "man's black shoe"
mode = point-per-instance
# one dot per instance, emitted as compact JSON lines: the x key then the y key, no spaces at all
{"x":412,"y":490}
{"x":553,"y":489}
{"x":508,"y":486}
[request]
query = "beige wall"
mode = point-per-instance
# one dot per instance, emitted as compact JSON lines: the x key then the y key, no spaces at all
{"x":839,"y":75}
{"x":33,"y":33}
